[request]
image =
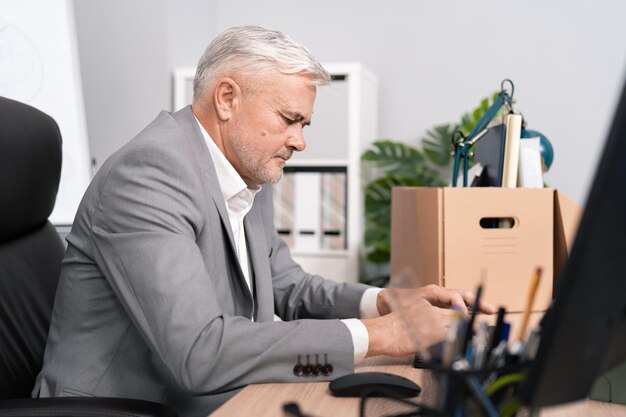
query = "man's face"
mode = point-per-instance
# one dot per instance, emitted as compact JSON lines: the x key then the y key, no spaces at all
{"x":267,"y":126}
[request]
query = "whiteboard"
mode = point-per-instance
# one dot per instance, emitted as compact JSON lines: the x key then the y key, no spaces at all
{"x":39,"y":66}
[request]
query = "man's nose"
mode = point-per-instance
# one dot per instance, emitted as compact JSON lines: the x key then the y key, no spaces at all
{"x":296,"y":141}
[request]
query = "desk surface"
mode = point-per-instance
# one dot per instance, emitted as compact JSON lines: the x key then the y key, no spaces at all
{"x":261,"y":400}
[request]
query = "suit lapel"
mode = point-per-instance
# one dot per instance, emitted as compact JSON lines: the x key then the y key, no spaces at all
{"x":190,"y":126}
{"x":188,"y":123}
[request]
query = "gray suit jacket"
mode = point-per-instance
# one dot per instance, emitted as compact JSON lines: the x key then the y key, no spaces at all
{"x":152,"y":303}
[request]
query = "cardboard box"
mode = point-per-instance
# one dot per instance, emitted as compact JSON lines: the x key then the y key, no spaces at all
{"x":446,"y":236}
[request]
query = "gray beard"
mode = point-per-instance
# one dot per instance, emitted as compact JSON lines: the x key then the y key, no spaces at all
{"x":259,"y":170}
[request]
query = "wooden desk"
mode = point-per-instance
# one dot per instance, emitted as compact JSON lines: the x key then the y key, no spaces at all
{"x":266,"y":400}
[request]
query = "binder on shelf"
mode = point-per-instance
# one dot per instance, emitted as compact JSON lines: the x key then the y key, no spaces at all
{"x":283,"y":207}
{"x":310,"y":208}
{"x":307,"y":210}
{"x":333,"y":210}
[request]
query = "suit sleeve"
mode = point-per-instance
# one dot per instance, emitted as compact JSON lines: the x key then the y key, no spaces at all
{"x":150,"y":212}
{"x":298,"y":294}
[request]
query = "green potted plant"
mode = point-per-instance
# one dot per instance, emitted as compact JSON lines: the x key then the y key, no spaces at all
{"x":388,"y":163}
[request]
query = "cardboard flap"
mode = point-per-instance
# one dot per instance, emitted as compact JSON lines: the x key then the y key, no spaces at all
{"x":416,"y":236}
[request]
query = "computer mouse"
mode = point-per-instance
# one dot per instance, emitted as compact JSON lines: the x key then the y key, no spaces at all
{"x":374,"y":384}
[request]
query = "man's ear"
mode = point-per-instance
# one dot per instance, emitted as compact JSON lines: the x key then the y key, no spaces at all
{"x":226,"y":98}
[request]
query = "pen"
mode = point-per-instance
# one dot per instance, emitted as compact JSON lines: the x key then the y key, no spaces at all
{"x":496,"y":336}
{"x":532,"y":292}
{"x":470,"y":323}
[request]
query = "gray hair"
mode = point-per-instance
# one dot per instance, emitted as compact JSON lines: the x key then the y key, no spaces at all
{"x":255,"y":50}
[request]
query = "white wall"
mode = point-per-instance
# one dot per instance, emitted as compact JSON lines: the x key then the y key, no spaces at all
{"x":127,"y":50}
{"x":435,"y":59}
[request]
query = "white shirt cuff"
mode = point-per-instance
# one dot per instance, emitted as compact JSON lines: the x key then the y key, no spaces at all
{"x":360,"y":338}
{"x":368,"y":307}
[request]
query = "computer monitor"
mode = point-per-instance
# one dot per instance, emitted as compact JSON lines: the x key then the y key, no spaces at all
{"x":584,"y":331}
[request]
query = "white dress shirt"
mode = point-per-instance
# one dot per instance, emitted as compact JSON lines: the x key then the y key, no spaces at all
{"x":239,"y":199}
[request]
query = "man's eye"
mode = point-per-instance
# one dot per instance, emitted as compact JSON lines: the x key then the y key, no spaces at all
{"x":287,"y":120}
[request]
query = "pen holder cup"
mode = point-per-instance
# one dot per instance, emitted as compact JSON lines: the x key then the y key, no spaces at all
{"x":490,"y":391}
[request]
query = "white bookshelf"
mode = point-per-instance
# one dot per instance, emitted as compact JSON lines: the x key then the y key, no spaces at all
{"x":344,"y":124}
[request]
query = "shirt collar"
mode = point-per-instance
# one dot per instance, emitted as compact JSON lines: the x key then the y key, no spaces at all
{"x":235,"y":191}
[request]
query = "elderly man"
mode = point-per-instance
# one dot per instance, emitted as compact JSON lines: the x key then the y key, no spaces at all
{"x":174,"y":271}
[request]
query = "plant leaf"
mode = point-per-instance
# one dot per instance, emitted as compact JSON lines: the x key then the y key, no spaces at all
{"x":378,"y":257}
{"x":437,"y":146}
{"x":393,"y":156}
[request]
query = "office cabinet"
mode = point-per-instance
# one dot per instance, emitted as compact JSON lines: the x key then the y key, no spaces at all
{"x":319,"y":202}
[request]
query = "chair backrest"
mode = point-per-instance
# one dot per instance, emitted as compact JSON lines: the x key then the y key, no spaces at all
{"x":30,"y":249}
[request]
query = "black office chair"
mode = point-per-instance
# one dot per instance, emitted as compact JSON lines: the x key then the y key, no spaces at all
{"x":30,"y":261}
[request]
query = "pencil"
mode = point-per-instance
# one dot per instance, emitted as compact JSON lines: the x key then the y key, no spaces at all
{"x":532,"y":292}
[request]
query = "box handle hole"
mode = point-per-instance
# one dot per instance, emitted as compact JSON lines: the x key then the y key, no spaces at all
{"x":498,"y":222}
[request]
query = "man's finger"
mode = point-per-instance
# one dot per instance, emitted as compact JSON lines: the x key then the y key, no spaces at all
{"x":469,"y":298}
{"x":458,"y":303}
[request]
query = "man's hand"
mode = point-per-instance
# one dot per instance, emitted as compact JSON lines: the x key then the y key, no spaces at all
{"x":415,"y":319}
{"x":401,"y":333}
{"x":390,"y":300}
